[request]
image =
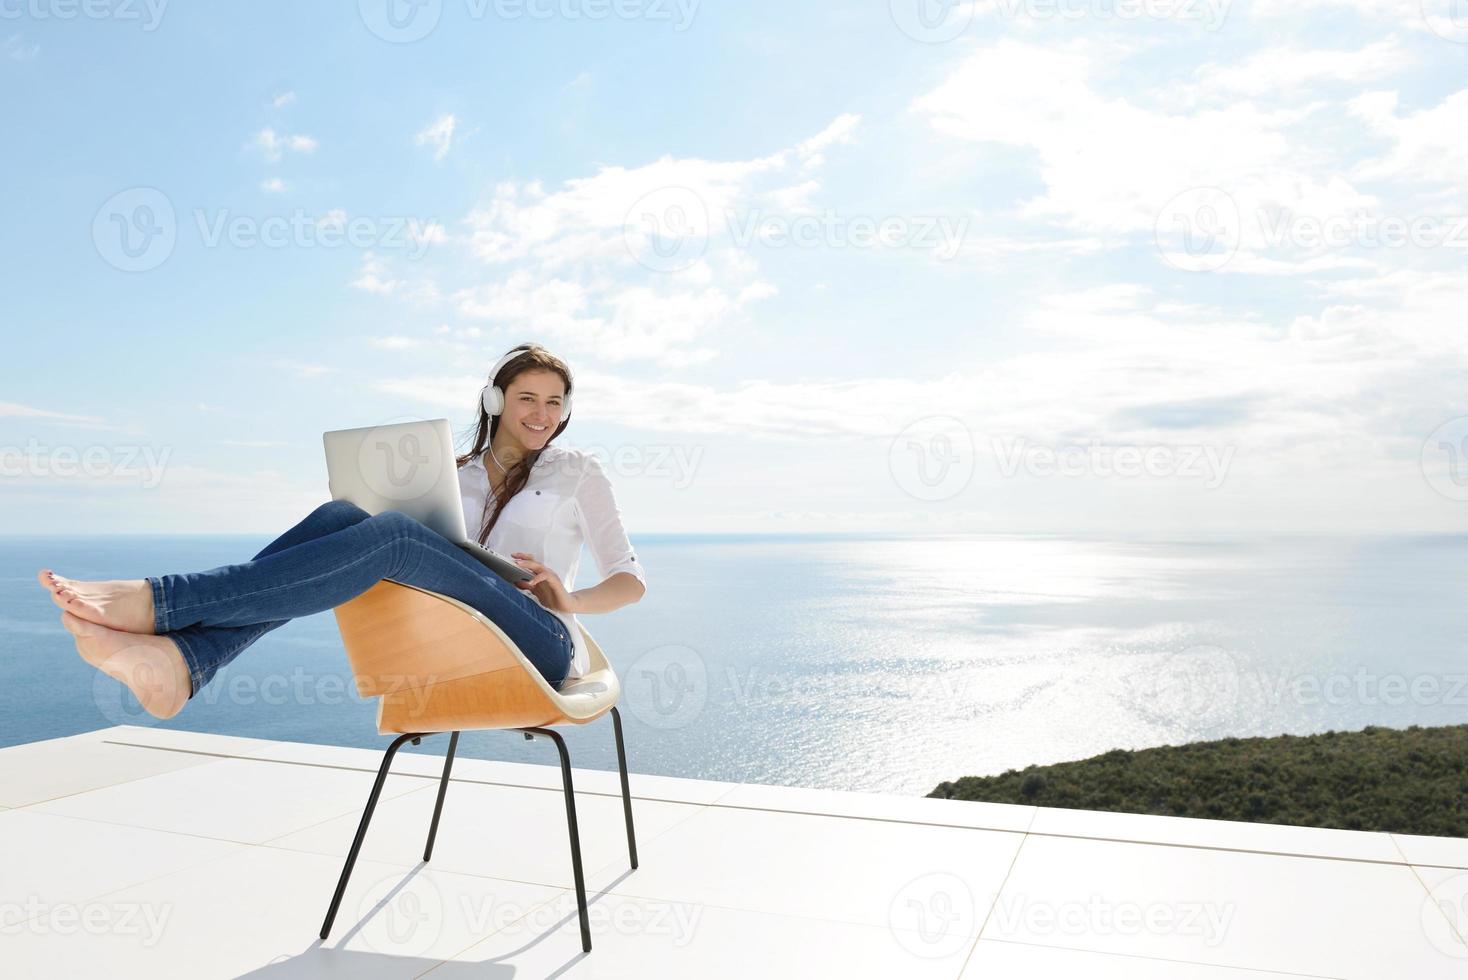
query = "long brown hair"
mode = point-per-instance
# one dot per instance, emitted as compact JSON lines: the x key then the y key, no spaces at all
{"x":534,"y":358}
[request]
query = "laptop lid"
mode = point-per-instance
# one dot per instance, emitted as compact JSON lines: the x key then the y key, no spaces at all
{"x":403,"y":466}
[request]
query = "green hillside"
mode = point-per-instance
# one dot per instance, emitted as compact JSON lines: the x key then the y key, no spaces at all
{"x":1412,"y":781}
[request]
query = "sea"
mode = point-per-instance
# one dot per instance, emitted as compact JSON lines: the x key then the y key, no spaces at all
{"x":885,"y":663}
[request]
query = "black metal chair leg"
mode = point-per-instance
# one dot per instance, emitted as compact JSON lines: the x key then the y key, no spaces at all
{"x":575,"y":837}
{"x":341,"y":886}
{"x":626,"y":792}
{"x":443,"y":787}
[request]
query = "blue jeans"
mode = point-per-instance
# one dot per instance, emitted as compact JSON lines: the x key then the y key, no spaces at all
{"x":336,"y":553}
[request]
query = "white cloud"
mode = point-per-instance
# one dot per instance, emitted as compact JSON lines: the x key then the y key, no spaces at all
{"x":272,"y":185}
{"x":564,"y":262}
{"x":1278,"y":72}
{"x":394,"y":343}
{"x":449,"y":392}
{"x":283,"y":99}
{"x":273,"y":145}
{"x":439,"y":135}
{"x":17,"y":410}
{"x":335,"y":219}
{"x":304,"y":370}
{"x":17,"y":49}
{"x":1114,"y":169}
{"x":373,"y":277}
{"x":376,"y":276}
{"x":812,"y":151}
{"x":1426,"y":146}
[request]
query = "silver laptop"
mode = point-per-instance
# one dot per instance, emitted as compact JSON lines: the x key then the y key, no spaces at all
{"x":408,"y":467}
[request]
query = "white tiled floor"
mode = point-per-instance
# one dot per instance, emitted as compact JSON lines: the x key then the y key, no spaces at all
{"x":136,"y":851}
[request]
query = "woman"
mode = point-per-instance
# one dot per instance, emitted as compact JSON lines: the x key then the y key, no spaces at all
{"x":166,"y":636}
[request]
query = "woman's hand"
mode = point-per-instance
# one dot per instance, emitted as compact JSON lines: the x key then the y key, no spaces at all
{"x":546,"y":584}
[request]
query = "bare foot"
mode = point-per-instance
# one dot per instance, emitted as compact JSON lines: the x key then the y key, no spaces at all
{"x":122,"y":604}
{"x":151,"y":666}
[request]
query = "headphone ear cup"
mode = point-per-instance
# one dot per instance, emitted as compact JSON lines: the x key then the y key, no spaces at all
{"x":493,"y":400}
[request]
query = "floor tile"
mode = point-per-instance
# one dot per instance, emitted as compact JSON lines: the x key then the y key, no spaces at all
{"x":1445,"y":912}
{"x":232,"y":799}
{"x":1316,"y":916}
{"x":1447,"y":852}
{"x":504,"y":831}
{"x":259,"y":911}
{"x":40,"y":771}
{"x":1229,"y":834}
{"x":50,"y":864}
{"x":992,"y":960}
{"x":641,"y":938}
{"x":178,"y":738}
{"x":869,"y":872}
{"x":921,"y":809}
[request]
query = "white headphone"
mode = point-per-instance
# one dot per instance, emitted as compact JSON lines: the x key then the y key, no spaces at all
{"x":493,"y":399}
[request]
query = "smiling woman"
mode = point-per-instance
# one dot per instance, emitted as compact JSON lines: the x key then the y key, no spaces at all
{"x":546,"y":500}
{"x":166,"y":636}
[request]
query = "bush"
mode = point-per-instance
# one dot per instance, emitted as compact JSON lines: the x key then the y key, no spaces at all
{"x":1412,"y":781}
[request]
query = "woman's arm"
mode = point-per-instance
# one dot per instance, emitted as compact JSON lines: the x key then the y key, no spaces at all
{"x":613,"y":592}
{"x":624,"y":580}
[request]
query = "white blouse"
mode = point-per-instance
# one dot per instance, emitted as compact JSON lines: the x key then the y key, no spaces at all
{"x":566,"y":501}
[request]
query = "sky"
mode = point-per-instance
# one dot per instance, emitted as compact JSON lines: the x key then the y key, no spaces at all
{"x":1140,"y":267}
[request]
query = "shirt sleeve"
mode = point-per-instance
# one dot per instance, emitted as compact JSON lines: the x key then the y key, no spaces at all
{"x":601,"y":524}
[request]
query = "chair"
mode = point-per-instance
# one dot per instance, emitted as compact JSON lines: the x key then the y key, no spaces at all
{"x":439,"y":665}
